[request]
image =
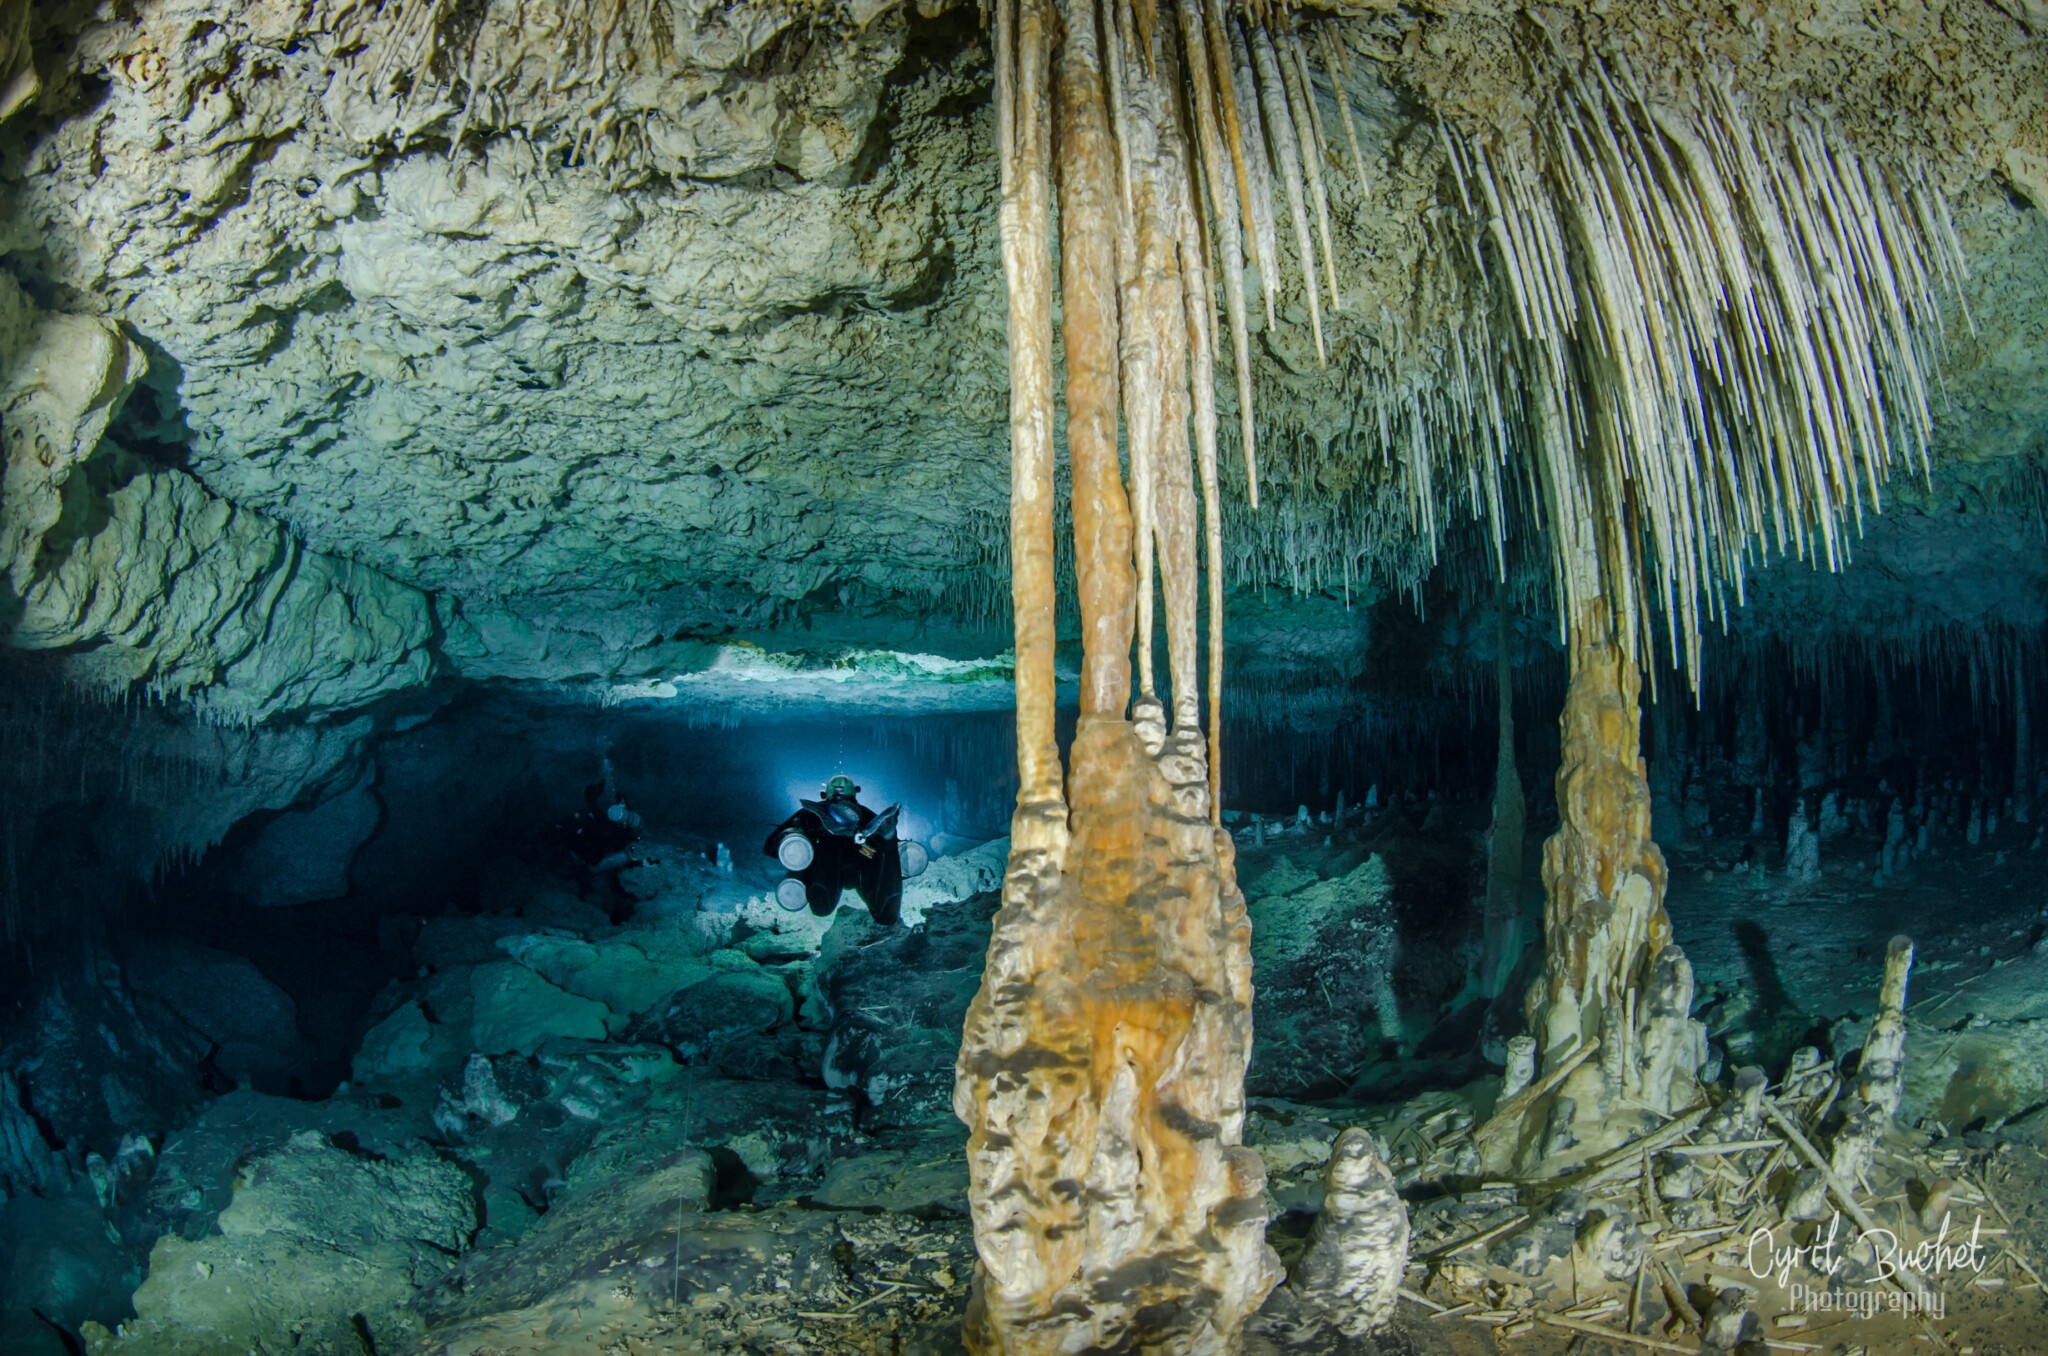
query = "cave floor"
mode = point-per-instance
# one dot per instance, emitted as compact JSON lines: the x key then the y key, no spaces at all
{"x":681,"y":1181}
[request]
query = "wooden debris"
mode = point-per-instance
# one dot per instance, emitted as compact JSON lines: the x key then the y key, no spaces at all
{"x":1610,"y":1334}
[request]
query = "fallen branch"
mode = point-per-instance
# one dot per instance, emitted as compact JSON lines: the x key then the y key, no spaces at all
{"x":888,"y":1288}
{"x":1422,"y":1300}
{"x":1740,"y":1146}
{"x":1595,"y":1330}
{"x":1984,"y":1185}
{"x":1838,"y":1189}
{"x":1486,"y":1236}
{"x":1510,"y":1113}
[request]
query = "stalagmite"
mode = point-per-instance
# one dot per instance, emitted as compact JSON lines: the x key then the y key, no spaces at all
{"x":1358,"y":1248}
{"x":1605,"y":928}
{"x":1881,"y":1074}
{"x":1708,"y":333}
{"x":1101,"y":1070}
{"x":1521,"y":1067}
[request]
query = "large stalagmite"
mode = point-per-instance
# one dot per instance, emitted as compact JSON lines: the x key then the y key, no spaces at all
{"x":1611,"y":974}
{"x":1101,"y":1072}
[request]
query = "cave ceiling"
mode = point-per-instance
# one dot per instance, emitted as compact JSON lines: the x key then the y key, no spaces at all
{"x":324,"y":378}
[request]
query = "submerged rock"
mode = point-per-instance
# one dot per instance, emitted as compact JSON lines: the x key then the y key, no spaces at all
{"x":729,"y":1005}
{"x":903,"y":1182}
{"x":395,"y":1045}
{"x":320,"y":1251}
{"x":615,"y":973}
{"x":893,"y":1001}
{"x":252,"y":1023}
{"x":627,"y":1193}
{"x":516,"y":1010}
{"x":1325,"y":952}
{"x":304,"y":854}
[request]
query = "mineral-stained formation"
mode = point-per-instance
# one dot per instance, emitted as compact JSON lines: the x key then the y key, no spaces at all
{"x":1101,"y":1072}
{"x":1881,"y":1075}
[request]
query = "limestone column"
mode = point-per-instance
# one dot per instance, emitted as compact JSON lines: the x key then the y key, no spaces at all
{"x":1101,"y":1069}
{"x":1610,"y":972}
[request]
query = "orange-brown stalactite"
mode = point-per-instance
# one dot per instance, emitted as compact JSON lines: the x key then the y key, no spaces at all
{"x":1023,"y":116}
{"x":1159,"y":169}
{"x":1089,"y":203}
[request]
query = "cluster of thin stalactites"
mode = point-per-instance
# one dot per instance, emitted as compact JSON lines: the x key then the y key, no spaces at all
{"x":1166,"y":128}
{"x":1724,"y":334}
{"x":1689,"y":333}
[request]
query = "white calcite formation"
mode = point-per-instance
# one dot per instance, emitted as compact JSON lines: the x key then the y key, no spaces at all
{"x":1358,"y":1247}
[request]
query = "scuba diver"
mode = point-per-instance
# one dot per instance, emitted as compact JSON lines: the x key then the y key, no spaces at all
{"x":836,"y":842}
{"x":600,"y":832}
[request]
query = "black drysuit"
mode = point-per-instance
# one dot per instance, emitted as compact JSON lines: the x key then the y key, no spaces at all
{"x":873,"y":868}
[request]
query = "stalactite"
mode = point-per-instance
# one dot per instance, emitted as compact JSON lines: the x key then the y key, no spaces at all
{"x":1798,"y":279}
{"x":1023,"y":114}
{"x":1261,"y":228}
{"x":1301,"y":94}
{"x":1212,"y":94}
{"x":1284,"y":141}
{"x":1339,"y":71}
{"x":1164,"y":225}
{"x":1090,"y":197}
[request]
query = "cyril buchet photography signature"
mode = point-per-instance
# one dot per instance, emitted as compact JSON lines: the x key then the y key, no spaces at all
{"x":1878,"y":1256}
